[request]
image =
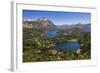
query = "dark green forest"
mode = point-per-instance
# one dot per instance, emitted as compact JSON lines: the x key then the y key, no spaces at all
{"x":38,"y":49}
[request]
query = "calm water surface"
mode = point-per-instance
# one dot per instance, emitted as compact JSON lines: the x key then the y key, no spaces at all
{"x":70,"y":45}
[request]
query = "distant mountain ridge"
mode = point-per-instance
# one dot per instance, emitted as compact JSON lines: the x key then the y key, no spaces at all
{"x":46,"y":24}
{"x":84,"y":27}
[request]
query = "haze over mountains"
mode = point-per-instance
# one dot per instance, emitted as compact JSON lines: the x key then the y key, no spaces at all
{"x":84,"y":27}
{"x":46,"y":24}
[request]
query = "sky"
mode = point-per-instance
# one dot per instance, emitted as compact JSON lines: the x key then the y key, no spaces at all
{"x":58,"y":18}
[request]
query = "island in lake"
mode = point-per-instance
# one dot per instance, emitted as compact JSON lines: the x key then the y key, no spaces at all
{"x":56,"y":36}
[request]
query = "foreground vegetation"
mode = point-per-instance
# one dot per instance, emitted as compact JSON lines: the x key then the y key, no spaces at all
{"x":37,"y":49}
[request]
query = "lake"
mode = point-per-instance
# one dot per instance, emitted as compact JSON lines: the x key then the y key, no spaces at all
{"x":68,"y":46}
{"x":51,"y":34}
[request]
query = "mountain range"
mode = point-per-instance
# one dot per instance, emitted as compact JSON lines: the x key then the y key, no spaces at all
{"x":46,"y":24}
{"x":42,"y":23}
{"x":83,"y":27}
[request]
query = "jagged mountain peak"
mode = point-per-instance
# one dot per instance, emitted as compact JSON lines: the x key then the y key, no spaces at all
{"x":43,"y":19}
{"x":41,"y":23}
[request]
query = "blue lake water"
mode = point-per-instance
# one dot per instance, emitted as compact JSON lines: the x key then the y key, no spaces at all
{"x":68,"y":46}
{"x":51,"y":34}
